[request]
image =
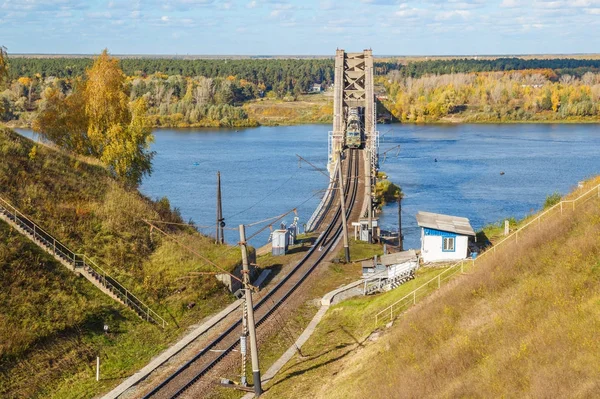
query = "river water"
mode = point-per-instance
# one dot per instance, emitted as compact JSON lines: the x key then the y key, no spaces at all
{"x":261,"y":177}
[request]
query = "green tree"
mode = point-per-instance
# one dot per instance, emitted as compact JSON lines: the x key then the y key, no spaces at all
{"x":3,"y":65}
{"x":3,"y":75}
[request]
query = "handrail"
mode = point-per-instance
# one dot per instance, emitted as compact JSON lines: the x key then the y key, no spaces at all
{"x":454,"y":267}
{"x":84,"y":262}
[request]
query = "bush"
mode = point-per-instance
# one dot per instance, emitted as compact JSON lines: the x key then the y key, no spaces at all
{"x":552,"y":200}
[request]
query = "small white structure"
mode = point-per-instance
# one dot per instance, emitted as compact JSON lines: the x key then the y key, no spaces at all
{"x":443,"y":237}
{"x":316,"y":88}
{"x":389,"y":271}
{"x":280,"y":242}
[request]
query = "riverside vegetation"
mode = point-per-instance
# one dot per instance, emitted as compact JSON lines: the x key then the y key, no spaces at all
{"x":52,"y":321}
{"x":247,"y":92}
{"x":524,"y":322}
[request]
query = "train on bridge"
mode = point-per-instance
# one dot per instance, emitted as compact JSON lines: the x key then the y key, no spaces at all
{"x":354,"y":128}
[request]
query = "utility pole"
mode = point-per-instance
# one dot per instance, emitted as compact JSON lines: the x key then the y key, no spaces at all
{"x":400,"y":239}
{"x":250,"y":313}
{"x":343,"y":208}
{"x":244,"y":345}
{"x":220,"y":224}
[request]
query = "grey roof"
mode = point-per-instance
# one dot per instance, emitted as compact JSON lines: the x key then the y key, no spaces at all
{"x":392,"y":259}
{"x":397,"y":258}
{"x":453,"y":224}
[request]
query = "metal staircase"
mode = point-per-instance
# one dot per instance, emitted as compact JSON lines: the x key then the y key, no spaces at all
{"x":77,"y":263}
{"x":382,"y":281}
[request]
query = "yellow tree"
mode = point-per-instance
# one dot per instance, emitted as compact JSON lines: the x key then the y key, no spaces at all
{"x":106,"y":103}
{"x":118,"y":135}
{"x":97,"y":119}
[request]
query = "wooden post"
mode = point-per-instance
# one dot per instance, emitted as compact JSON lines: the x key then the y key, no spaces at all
{"x":97,"y":368}
{"x":219,"y":227}
{"x":506,"y":227}
{"x":400,"y":240}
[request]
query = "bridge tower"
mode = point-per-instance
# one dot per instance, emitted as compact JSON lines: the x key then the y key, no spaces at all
{"x":353,"y":88}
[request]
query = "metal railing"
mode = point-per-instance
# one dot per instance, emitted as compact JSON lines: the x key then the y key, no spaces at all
{"x":434,"y":283}
{"x":79,"y":262}
{"x":318,"y":214}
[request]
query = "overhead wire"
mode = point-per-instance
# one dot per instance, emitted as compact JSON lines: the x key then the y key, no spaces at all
{"x":196,"y":253}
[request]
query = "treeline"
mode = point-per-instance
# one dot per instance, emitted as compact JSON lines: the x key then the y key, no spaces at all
{"x":571,"y":66}
{"x":272,"y":73}
{"x":536,"y":95}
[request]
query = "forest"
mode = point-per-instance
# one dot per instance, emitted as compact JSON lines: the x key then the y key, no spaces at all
{"x":539,"y":95}
{"x":211,"y":92}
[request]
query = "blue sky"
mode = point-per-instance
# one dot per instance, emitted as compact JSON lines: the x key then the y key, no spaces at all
{"x":311,"y":27}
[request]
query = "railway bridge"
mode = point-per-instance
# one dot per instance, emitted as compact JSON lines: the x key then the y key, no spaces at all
{"x":351,"y":168}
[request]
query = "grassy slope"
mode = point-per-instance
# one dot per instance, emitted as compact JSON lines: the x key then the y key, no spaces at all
{"x":524,"y":324}
{"x":51,"y":321}
{"x":312,"y":108}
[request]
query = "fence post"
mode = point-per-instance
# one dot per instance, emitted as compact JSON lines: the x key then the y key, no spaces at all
{"x":147,"y":313}
{"x":54,"y":246}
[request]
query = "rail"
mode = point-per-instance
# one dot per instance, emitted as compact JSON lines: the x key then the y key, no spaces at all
{"x":80,"y":261}
{"x":323,"y":240}
{"x":434,"y":283}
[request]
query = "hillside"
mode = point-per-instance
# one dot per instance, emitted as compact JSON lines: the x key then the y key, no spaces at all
{"x":523,"y":323}
{"x":52,"y":322}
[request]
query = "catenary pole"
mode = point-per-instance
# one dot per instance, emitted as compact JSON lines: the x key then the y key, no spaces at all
{"x":250,"y":313}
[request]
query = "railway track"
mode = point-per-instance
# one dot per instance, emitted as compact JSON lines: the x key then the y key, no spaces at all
{"x":192,"y":371}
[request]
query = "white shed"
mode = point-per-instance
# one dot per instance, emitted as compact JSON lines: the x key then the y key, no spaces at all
{"x":444,"y":237}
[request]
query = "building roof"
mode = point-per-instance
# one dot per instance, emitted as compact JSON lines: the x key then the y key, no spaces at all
{"x":392,"y":259}
{"x":453,"y":224}
{"x":397,"y":258}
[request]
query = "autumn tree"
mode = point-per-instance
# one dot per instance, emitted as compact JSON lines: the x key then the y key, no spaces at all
{"x":97,"y":119}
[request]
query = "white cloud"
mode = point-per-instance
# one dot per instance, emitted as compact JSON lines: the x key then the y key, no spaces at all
{"x":510,"y":3}
{"x":252,"y":4}
{"x":446,"y":15}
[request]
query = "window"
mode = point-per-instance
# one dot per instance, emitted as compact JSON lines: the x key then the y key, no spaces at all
{"x":448,"y":244}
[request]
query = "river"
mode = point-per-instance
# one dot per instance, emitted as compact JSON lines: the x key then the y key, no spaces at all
{"x":261,"y":177}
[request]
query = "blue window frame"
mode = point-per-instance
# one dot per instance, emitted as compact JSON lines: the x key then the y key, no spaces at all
{"x":448,"y":244}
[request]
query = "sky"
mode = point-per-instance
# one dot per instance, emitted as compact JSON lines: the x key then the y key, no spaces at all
{"x":310,"y":27}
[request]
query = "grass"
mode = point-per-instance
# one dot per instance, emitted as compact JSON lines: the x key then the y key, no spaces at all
{"x":312,"y":108}
{"x":524,"y":323}
{"x":52,"y":321}
{"x":360,"y":250}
